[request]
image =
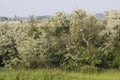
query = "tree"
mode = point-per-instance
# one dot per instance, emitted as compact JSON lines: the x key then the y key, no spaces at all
{"x":111,"y":36}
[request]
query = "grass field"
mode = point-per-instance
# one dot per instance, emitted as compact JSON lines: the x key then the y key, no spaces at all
{"x":54,"y":74}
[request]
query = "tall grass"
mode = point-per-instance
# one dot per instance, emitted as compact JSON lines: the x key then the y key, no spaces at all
{"x":55,"y":74}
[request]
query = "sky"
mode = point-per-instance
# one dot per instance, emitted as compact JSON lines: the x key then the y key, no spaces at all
{"x":24,"y":8}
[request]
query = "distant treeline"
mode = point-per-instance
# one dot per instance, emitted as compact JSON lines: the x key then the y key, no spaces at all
{"x":15,"y":18}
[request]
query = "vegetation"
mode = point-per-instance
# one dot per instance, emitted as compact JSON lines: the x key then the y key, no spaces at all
{"x":54,"y":74}
{"x":74,"y":42}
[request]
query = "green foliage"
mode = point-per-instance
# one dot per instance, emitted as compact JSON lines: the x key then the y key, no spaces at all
{"x":74,"y":42}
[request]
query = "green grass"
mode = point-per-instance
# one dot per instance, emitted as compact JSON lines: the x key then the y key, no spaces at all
{"x":55,"y":74}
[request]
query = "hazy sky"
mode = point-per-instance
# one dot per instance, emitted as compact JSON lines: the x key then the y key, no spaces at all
{"x":49,"y":7}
